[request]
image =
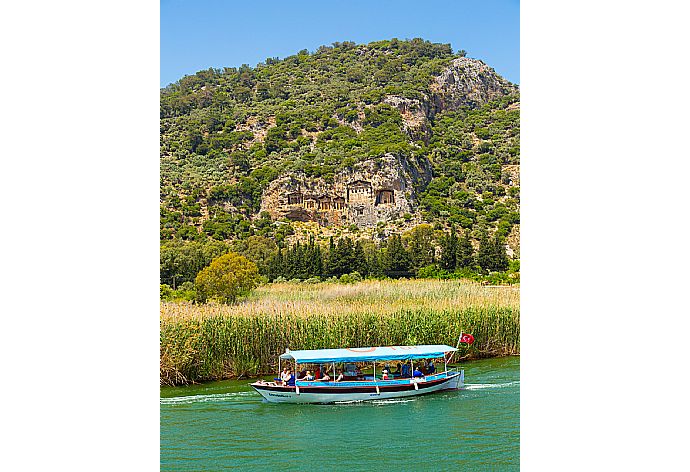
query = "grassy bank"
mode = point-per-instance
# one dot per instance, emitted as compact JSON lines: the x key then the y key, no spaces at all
{"x":214,"y":342}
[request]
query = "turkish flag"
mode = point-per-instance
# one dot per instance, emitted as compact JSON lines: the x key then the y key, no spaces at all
{"x":466,"y":338}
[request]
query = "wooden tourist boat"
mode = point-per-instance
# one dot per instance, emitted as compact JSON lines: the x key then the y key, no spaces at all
{"x":355,"y":386}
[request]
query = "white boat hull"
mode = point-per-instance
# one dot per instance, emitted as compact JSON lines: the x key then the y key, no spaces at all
{"x":331,"y":392}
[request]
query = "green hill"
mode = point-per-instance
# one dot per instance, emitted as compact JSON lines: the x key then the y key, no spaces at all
{"x":437,"y":130}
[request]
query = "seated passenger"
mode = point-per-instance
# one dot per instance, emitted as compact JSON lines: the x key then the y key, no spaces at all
{"x":384,"y":376}
{"x":317,"y":373}
{"x":398,"y":372}
{"x":284,"y":376}
{"x":325,"y":378}
{"x":291,"y":380}
{"x":417,"y":372}
{"x":308,"y":377}
{"x":430,"y":369}
{"x":405,"y":371}
{"x":340,"y":376}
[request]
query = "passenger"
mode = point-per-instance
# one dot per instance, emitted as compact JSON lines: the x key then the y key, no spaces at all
{"x":405,"y":371}
{"x":301,"y":375}
{"x":317,"y":373}
{"x":291,"y":380}
{"x":430,"y":368}
{"x":417,"y":372}
{"x":284,"y":376}
{"x":384,"y":376}
{"x":308,"y":377}
{"x":340,"y":376}
{"x":398,"y":373}
{"x":326,"y":378}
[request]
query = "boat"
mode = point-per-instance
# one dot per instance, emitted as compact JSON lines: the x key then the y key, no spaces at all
{"x":354,"y":386}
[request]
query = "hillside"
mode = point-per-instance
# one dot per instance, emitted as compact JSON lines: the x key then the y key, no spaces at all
{"x":360,"y":140}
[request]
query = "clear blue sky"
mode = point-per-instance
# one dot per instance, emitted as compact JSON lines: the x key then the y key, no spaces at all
{"x":196,"y":35}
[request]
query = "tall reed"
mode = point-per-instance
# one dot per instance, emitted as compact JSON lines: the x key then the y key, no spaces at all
{"x":197,"y":348}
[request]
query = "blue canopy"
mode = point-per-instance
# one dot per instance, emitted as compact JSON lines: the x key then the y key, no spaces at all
{"x":367,"y":354}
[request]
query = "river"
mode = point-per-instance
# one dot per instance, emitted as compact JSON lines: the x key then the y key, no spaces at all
{"x":226,"y":425}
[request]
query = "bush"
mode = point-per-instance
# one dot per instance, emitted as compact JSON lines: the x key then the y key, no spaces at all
{"x":351,"y":278}
{"x":166,"y":292}
{"x":312,"y":280}
{"x":432,"y":272}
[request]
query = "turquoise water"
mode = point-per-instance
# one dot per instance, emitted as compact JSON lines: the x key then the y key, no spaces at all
{"x":226,"y":425}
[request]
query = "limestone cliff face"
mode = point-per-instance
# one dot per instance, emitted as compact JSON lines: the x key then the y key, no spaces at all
{"x":371,"y":191}
{"x":415,"y":115}
{"x":468,"y":82}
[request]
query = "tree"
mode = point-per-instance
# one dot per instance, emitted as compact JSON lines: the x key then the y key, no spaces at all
{"x":465,"y":252}
{"x":500,"y":262}
{"x":396,"y":260}
{"x":360,"y":260}
{"x":227,"y":278}
{"x":420,"y":241}
{"x":258,"y":249}
{"x":449,"y":250}
{"x":485,"y":255}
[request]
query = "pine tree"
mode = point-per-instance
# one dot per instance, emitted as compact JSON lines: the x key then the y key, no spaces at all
{"x":485,"y":255}
{"x":449,"y":250}
{"x":360,"y":260}
{"x":275,"y":265}
{"x":396,"y":258}
{"x":465,"y":252}
{"x":329,"y":263}
{"x":318,"y":267}
{"x":500,"y":255}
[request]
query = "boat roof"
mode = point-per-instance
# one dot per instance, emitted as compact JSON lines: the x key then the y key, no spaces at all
{"x":364,"y":354}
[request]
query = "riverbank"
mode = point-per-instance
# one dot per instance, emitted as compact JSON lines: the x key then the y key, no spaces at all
{"x":212,"y":342}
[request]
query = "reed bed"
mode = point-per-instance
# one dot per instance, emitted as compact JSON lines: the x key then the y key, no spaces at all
{"x":215,"y":341}
{"x":371,"y":296}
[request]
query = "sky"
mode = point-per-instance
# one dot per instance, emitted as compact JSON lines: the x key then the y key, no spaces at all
{"x":196,"y":35}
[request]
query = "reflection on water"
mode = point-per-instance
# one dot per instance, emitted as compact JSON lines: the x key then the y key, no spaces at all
{"x":226,"y":425}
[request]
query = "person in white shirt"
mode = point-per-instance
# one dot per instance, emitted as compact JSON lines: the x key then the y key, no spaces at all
{"x":285,"y":376}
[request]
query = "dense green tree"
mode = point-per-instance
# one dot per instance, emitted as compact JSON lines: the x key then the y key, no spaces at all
{"x":449,"y":250}
{"x":421,"y":245}
{"x":360,"y":260}
{"x":258,"y":249}
{"x":396,"y":260}
{"x":465,"y":252}
{"x":500,"y":261}
{"x":485,"y":253}
{"x":226,"y":278}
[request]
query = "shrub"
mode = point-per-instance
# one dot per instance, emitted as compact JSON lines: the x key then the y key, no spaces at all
{"x":350,"y":278}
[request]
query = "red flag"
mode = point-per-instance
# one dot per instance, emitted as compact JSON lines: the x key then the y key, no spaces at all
{"x":466,"y":338}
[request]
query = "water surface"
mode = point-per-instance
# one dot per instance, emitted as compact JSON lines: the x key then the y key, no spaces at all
{"x":226,"y":425}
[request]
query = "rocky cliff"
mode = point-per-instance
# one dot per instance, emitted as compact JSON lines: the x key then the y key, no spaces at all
{"x":468,"y":82}
{"x":372,"y":191}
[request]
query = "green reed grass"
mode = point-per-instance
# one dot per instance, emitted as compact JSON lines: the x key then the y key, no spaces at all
{"x":222,"y":346}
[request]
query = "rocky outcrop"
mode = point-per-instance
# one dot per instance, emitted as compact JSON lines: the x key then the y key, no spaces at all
{"x":415,"y":115}
{"x":468,"y":82}
{"x":372,"y":191}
